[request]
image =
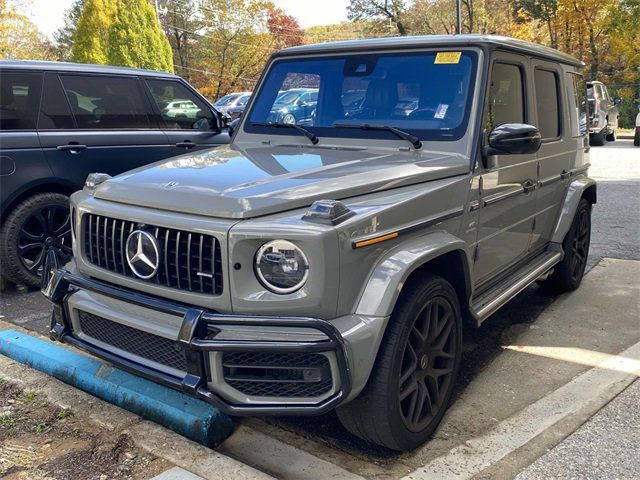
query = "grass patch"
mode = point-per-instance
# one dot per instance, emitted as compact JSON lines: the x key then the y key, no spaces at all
{"x":64,"y":413}
{"x":41,"y":427}
{"x":27,"y":396}
{"x":6,"y":421}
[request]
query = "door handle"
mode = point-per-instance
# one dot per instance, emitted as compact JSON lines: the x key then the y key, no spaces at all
{"x":186,"y":144}
{"x":71,"y":147}
{"x":528,"y":186}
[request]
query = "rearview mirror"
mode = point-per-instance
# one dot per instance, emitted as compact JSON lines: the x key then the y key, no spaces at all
{"x":513,"y":139}
{"x":617,"y":101}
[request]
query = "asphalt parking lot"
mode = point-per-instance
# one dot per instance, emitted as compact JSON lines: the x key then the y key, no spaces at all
{"x":498,"y":382}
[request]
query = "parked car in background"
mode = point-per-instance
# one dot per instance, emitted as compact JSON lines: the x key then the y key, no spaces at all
{"x":233,"y":104}
{"x":334,"y":265}
{"x":295,"y":106}
{"x":636,"y":137}
{"x":603,"y":114}
{"x":61,"y":121}
{"x":181,"y":109}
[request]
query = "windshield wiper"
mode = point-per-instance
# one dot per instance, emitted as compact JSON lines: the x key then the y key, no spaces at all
{"x":412,"y":139}
{"x":311,"y":136}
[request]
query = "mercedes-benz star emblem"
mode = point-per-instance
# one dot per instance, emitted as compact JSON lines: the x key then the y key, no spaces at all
{"x":143,"y":255}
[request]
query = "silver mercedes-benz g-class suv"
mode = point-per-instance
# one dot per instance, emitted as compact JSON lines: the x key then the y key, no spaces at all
{"x":334,"y":265}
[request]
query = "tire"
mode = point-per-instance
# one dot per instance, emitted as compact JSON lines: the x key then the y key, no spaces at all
{"x":597,"y":139}
{"x":636,"y":139}
{"x":611,"y":137}
{"x":39,"y":223}
{"x":567,"y":275}
{"x":379,"y":415}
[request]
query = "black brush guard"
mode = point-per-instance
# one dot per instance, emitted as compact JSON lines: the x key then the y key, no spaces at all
{"x":194,"y":337}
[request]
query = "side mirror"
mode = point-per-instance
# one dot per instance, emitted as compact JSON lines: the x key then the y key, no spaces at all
{"x":513,"y":139}
{"x":232,"y":126}
{"x":617,"y":101}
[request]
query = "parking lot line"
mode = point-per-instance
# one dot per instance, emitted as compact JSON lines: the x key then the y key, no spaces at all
{"x":597,"y":385}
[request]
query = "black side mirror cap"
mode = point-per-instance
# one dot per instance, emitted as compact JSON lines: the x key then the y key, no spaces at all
{"x":617,"y":101}
{"x":513,"y":139}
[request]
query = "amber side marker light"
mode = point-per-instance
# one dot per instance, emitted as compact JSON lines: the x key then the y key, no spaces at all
{"x":373,"y":241}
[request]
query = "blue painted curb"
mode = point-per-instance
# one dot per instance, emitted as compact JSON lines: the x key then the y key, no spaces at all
{"x":181,"y":413}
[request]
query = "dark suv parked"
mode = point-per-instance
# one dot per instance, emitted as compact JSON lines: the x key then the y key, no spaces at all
{"x":61,"y":121}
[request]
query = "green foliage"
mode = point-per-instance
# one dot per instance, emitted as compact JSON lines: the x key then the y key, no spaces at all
{"x":391,"y":10}
{"x":92,"y":34}
{"x":64,"y":37}
{"x":121,"y":32}
{"x":136,"y":39}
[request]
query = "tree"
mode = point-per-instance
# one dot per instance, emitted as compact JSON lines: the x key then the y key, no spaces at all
{"x":135,"y":38}
{"x":545,"y":11}
{"x":284,"y":29}
{"x":121,"y":32}
{"x":64,"y":36}
{"x":391,"y":10}
{"x":233,"y":45}
{"x":181,"y":22}
{"x":19,"y":37}
{"x":91,"y":39}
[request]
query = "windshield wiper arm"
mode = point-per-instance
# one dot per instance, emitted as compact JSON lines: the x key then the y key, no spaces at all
{"x":311,"y":136}
{"x":412,"y":139}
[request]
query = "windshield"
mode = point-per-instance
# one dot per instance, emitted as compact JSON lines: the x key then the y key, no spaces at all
{"x":226,"y":100}
{"x":425,"y":93}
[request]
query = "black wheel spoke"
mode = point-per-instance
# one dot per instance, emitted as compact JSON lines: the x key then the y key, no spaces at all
{"x":428,"y":364}
{"x":408,"y":390}
{"x":37,"y":263}
{"x":30,"y":237}
{"x":22,"y":249}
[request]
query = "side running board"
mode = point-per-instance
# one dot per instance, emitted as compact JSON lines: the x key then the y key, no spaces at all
{"x":491,"y":300}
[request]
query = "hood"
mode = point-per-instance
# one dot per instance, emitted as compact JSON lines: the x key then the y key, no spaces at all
{"x":229,"y":182}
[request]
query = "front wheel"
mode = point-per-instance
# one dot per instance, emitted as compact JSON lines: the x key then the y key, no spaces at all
{"x":611,"y":137}
{"x":597,"y":139}
{"x":567,"y":275}
{"x":414,"y":375}
{"x":39,"y":224}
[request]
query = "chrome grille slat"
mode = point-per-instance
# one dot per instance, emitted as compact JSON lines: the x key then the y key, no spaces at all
{"x":97,"y":235}
{"x":202,"y":271}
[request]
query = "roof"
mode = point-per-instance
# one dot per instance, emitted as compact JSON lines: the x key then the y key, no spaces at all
{"x":80,"y":67}
{"x":492,"y":41}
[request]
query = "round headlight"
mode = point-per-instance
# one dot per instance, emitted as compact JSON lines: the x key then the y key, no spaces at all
{"x":281,"y":266}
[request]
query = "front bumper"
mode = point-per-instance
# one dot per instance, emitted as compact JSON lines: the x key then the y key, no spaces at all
{"x":197,"y":338}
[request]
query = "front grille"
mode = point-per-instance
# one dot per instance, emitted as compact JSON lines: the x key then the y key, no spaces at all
{"x":146,"y":345}
{"x":188,"y":261}
{"x":265,"y":374}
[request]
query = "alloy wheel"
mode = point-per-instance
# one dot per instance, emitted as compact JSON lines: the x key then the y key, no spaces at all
{"x":427,"y":368}
{"x":580,"y":244}
{"x":48,"y":229}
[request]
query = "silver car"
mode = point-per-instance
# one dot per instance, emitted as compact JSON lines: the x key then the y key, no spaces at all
{"x":337,"y":265}
{"x":603,"y":114}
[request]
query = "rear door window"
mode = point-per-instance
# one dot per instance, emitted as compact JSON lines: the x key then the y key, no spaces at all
{"x":168,"y":93}
{"x":106,"y":102}
{"x":579,"y":104}
{"x":547,"y":86}
{"x":55,"y":111}
{"x":19,"y":100}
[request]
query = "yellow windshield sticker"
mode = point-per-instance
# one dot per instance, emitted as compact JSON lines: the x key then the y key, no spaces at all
{"x":448,"y":57}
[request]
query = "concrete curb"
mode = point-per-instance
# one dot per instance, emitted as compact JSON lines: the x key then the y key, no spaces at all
{"x":148,"y":436}
{"x":185,"y":415}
